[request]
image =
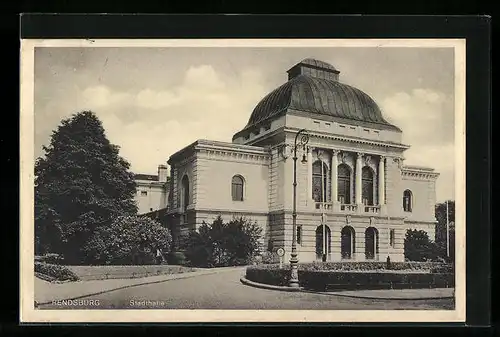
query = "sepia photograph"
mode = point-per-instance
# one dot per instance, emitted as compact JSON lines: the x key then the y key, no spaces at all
{"x":242,"y":180}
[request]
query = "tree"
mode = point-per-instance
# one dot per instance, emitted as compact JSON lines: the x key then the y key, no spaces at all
{"x":80,"y":185}
{"x":418,"y":246}
{"x":129,"y":240}
{"x":440,"y":212}
{"x":222,"y":244}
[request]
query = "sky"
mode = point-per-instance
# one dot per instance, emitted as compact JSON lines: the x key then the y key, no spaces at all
{"x":155,"y":101}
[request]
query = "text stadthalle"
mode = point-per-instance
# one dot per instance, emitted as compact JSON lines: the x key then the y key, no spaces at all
{"x":147,"y":303}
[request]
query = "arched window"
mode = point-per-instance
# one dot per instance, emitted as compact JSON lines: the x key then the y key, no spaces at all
{"x":319,"y":190}
{"x":185,"y":192}
{"x":407,"y":201}
{"x":323,"y":246}
{"x":367,"y":186}
{"x":347,"y":242}
{"x":371,"y":243}
{"x":237,"y":188}
{"x":344,"y":184}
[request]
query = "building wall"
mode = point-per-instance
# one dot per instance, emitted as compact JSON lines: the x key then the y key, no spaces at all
{"x":281,"y":231}
{"x":215,"y":173}
{"x":156,"y":196}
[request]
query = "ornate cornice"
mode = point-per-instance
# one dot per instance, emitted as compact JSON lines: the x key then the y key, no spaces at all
{"x":353,"y":139}
{"x":238,"y":156}
{"x":419,"y":173}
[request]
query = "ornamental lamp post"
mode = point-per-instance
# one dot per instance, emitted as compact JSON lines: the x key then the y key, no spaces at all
{"x":304,"y":139}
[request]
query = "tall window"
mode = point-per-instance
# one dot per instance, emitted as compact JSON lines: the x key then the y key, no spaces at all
{"x":299,"y":235}
{"x":391,"y":237}
{"x":367,"y":186}
{"x":319,"y":190}
{"x":323,"y":241}
{"x":185,"y":192}
{"x":407,"y":201}
{"x":344,"y":184}
{"x":237,"y":188}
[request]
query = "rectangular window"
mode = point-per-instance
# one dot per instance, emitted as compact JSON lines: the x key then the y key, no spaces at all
{"x":144,"y":193}
{"x":327,"y":124}
{"x":316,"y":122}
{"x":353,"y":128}
{"x":299,"y":234}
{"x":366,"y":130}
{"x":391,"y":237}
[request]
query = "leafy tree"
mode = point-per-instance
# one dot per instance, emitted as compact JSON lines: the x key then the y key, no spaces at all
{"x":81,"y":184}
{"x":222,"y":244}
{"x":441,"y":228}
{"x":129,"y":240}
{"x":418,"y":246}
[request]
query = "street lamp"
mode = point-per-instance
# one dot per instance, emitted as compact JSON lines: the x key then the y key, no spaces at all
{"x":304,"y":139}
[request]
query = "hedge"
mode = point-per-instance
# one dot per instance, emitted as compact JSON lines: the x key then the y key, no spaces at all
{"x":59,"y":273}
{"x":328,"y":280}
{"x":357,"y":275}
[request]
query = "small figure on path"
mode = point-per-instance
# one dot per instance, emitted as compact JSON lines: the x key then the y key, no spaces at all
{"x":388,"y":262}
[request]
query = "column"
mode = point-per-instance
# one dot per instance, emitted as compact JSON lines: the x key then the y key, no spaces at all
{"x":334,"y":177}
{"x":359,"y":163}
{"x":309,"y":175}
{"x":381,"y":181}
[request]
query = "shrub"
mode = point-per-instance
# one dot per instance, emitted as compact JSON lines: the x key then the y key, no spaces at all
{"x":49,"y":258}
{"x":177,"y":258}
{"x":270,"y":258}
{"x":418,"y":246}
{"x":357,"y":275}
{"x":268,"y":274}
{"x":55,"y":271}
{"x":323,"y":280}
{"x":129,"y":240}
{"x":222,"y":244}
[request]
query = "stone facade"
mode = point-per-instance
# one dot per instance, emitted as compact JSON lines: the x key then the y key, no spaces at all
{"x":355,"y":198}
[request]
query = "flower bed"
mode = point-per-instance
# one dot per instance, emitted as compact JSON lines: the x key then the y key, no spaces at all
{"x":55,"y":272}
{"x":357,"y":275}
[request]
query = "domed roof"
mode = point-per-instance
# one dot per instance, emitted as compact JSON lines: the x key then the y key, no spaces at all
{"x":317,"y":91}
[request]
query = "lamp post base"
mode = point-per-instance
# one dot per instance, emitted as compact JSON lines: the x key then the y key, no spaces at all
{"x":294,"y":272}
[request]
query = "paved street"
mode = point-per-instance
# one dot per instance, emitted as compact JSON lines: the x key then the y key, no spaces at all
{"x":225,"y":291}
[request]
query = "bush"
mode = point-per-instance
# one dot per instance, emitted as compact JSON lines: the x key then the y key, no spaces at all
{"x":357,"y":275}
{"x":419,"y":247}
{"x":334,"y":280}
{"x":49,"y":258}
{"x":57,"y":272}
{"x":222,"y":244}
{"x":177,"y":258}
{"x":270,"y":258}
{"x":129,"y":240}
{"x":268,"y":274}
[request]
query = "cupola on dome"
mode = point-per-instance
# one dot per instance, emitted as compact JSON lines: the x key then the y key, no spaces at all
{"x":313,"y":87}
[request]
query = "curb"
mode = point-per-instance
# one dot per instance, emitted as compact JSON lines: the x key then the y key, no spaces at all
{"x":185,"y":276}
{"x":245,"y":281}
{"x":339,"y":294}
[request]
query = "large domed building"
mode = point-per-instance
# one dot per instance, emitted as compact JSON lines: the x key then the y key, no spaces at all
{"x":354,"y":199}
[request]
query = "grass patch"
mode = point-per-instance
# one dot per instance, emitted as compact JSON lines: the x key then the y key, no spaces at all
{"x":87,"y":273}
